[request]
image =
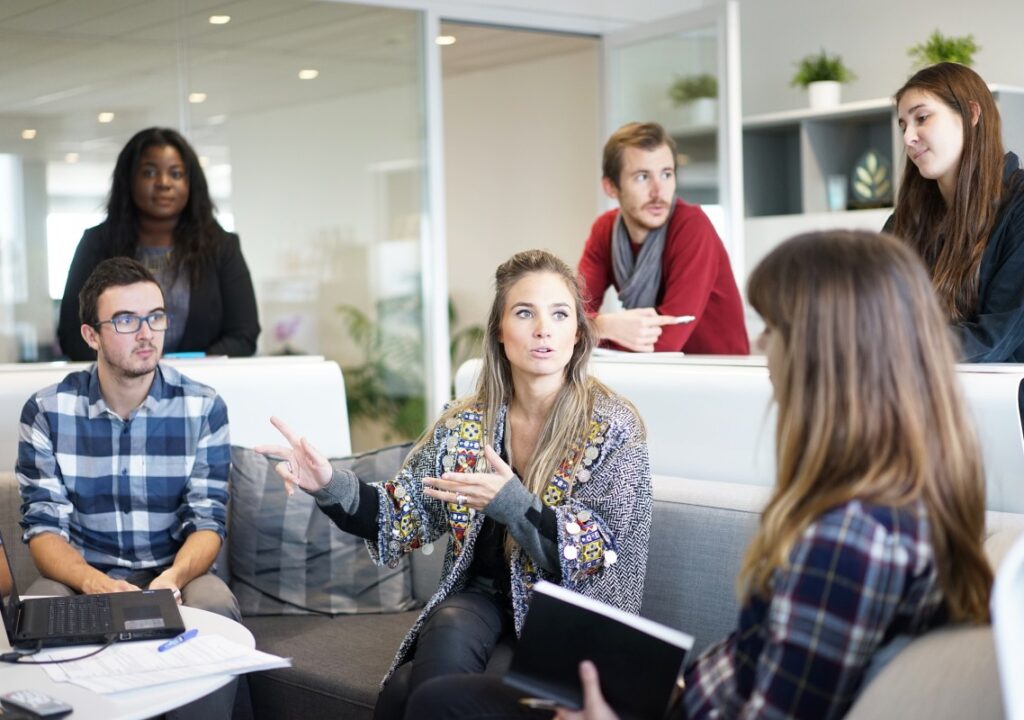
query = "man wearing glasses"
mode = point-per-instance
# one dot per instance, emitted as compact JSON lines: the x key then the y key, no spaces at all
{"x":123,"y":467}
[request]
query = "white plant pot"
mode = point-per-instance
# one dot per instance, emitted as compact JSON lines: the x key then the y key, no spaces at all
{"x":823,"y":94}
{"x":704,"y":111}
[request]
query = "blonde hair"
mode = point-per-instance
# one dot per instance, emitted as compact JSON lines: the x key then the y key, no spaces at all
{"x":869,"y":407}
{"x":568,"y":422}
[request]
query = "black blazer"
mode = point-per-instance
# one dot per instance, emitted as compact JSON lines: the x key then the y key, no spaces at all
{"x":222,"y":316}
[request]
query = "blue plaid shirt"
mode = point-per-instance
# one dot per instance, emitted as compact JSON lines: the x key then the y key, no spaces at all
{"x":124,"y":493}
{"x":858,"y":576}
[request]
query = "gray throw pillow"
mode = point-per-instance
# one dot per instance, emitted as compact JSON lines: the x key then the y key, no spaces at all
{"x":288,"y":558}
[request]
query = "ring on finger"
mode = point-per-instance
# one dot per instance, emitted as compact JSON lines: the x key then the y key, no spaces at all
{"x":460,"y":499}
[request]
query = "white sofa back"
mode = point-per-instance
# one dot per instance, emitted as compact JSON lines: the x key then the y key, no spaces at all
{"x":307,"y":392}
{"x":712,"y":419}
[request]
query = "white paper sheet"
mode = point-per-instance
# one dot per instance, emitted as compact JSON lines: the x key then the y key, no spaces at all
{"x":135,"y":665}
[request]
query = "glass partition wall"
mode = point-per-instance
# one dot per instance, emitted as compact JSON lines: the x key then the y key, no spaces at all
{"x":310,"y":121}
{"x":683,"y":72}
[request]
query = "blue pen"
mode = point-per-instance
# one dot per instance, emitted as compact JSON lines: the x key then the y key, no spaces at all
{"x":175,"y":642}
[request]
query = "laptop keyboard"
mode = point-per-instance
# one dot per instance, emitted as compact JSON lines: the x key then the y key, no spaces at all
{"x":80,"y":615}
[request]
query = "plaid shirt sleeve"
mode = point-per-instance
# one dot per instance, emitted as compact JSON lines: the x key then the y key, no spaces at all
{"x":45,"y":506}
{"x":207,"y":488}
{"x":803,"y":652}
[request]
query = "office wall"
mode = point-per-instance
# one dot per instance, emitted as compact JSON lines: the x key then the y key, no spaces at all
{"x":873,"y":37}
{"x":312,"y":209}
{"x":521,"y":168}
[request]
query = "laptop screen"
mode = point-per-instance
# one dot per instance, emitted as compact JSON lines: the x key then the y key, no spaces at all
{"x":8,"y":593}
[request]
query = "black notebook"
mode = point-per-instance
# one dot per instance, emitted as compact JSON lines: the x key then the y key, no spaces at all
{"x":639,"y":661}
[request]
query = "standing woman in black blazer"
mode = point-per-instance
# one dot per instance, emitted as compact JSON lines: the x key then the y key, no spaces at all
{"x":160,"y":213}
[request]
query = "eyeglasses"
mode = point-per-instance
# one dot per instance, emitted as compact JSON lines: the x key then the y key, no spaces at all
{"x":127,"y":324}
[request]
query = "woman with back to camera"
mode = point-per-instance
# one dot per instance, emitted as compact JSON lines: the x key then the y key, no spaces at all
{"x":541,"y":473}
{"x":961,"y":206}
{"x":875,"y":525}
{"x":160,"y":213}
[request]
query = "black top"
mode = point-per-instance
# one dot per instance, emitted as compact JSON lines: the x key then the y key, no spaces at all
{"x":222,"y":317}
{"x":996,"y":332}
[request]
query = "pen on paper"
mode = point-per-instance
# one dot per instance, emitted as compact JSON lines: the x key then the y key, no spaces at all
{"x":184,"y":637}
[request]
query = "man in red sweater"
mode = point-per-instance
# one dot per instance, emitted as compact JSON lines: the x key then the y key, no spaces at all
{"x":662,"y":255}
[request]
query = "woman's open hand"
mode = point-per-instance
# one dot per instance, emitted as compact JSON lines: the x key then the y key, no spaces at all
{"x":595,"y":707}
{"x":303,"y":465}
{"x":473,"y":489}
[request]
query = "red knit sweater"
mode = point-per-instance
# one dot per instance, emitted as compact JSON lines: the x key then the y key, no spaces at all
{"x":696,"y":279}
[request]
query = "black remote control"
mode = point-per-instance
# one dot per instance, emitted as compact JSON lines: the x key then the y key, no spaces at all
{"x":35,"y":704}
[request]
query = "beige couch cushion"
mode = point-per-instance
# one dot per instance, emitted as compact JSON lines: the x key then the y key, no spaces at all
{"x":948,"y":673}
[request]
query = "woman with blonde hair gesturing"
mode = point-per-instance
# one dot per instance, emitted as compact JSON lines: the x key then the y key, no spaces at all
{"x":542,"y":473}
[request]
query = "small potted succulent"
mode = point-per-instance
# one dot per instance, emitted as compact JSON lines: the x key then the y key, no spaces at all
{"x":939,"y":48}
{"x":822,"y":74}
{"x":699,"y":93}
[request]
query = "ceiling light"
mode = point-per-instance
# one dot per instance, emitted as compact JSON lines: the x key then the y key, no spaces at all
{"x":196,"y":98}
{"x":204,"y":161}
{"x":220,"y":19}
{"x":105,"y":117}
{"x":445,"y":39}
{"x":309,"y":74}
{"x":71,"y":158}
{"x":28,"y":134}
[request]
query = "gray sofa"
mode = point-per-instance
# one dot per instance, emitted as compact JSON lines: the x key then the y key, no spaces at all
{"x":339,"y":661}
{"x":710,"y":434}
{"x":697,"y":540}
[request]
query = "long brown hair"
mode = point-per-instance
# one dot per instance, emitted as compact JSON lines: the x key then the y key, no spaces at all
{"x":869,"y":406}
{"x":952,"y":240}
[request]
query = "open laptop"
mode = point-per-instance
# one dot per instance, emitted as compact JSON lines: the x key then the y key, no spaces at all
{"x":84,"y":619}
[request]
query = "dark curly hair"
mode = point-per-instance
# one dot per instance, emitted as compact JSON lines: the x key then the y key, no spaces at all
{"x":197,"y":233}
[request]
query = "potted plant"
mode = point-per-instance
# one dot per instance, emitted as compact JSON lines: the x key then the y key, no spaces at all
{"x":939,"y":48}
{"x":821,"y":75}
{"x":699,"y":93}
{"x":385,"y":391}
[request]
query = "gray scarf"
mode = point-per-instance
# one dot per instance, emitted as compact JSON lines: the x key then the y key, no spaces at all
{"x":639,"y":279}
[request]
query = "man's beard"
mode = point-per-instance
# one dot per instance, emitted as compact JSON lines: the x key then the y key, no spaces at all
{"x":133,"y":372}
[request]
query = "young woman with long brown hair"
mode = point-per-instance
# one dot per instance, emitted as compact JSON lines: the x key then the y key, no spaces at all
{"x":961,"y":206}
{"x":542,"y":473}
{"x":874,"y":529}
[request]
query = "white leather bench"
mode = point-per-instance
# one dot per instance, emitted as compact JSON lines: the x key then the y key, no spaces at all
{"x":305,"y":390}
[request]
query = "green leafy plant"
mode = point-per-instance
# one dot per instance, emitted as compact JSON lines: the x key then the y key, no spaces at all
{"x":388,"y":385}
{"x":939,"y":48}
{"x":693,"y":87}
{"x":815,"y":68}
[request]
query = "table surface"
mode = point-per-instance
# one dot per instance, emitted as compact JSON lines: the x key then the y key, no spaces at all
{"x":134,"y":704}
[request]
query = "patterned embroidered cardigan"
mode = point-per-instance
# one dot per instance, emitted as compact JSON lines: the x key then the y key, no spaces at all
{"x":604,"y":513}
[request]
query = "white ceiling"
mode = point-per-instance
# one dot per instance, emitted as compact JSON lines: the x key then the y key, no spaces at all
{"x":64,"y":61}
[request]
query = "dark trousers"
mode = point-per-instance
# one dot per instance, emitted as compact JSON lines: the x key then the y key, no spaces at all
{"x":465,"y":697}
{"x":459,"y":637}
